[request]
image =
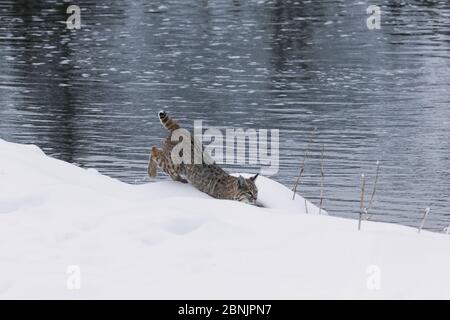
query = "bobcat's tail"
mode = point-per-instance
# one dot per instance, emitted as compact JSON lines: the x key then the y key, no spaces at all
{"x":167,"y":121}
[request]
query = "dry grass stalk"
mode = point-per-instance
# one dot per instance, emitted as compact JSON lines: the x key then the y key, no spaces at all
{"x":322,"y":175}
{"x":302,"y":165}
{"x":373,"y":191}
{"x":361,"y":207}
{"x":425,"y":215}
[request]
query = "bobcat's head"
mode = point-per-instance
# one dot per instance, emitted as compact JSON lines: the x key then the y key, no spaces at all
{"x":247,"y":191}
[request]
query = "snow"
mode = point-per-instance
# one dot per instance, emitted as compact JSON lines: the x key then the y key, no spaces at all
{"x":166,"y":240}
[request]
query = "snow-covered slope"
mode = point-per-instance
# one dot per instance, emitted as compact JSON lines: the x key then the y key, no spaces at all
{"x":167,"y":240}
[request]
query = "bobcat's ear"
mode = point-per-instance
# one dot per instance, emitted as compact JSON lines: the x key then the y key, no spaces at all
{"x":241,"y":181}
{"x":254,"y":177}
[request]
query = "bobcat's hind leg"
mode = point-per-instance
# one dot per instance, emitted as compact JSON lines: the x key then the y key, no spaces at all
{"x":153,"y":163}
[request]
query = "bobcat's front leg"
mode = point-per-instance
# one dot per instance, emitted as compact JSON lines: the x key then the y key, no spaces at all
{"x":153,"y":162}
{"x":157,"y":159}
{"x":179,"y":179}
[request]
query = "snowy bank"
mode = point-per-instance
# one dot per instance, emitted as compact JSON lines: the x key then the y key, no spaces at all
{"x":167,"y":240}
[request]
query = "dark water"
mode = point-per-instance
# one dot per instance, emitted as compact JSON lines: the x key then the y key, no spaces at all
{"x":90,"y":96}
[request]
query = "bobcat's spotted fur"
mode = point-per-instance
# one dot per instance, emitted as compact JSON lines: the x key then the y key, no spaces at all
{"x":208,"y":177}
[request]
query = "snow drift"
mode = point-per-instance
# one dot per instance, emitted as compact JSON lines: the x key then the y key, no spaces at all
{"x":166,"y":240}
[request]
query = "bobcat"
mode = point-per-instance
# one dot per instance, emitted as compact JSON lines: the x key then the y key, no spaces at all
{"x":207,"y":177}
